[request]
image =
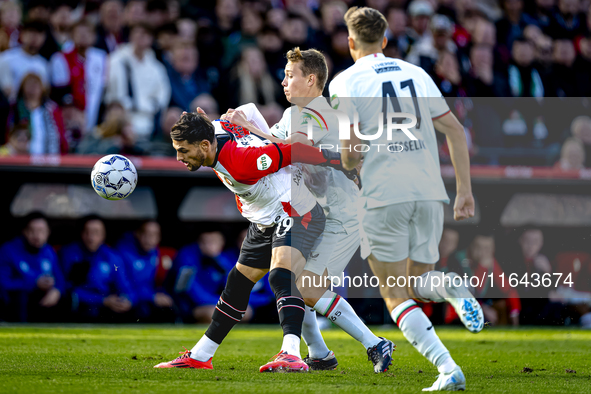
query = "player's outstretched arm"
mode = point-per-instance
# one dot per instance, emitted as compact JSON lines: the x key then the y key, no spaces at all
{"x":303,"y":153}
{"x":249,"y":164}
{"x":239,"y":118}
{"x":460,"y":158}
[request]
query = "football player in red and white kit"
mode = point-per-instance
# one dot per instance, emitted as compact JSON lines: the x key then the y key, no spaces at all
{"x":285,"y":221}
{"x":306,"y":73}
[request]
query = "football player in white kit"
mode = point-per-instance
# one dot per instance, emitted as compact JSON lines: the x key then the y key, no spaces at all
{"x":403,"y":190}
{"x":305,"y":77}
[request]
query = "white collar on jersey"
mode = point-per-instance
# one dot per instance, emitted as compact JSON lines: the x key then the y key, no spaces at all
{"x":311,"y":103}
{"x":372,"y":56}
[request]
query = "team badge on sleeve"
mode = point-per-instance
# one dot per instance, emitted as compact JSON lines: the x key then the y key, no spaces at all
{"x":335,"y":101}
{"x":264,"y":162}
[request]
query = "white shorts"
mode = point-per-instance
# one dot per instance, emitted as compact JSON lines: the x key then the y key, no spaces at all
{"x":332,"y":252}
{"x":408,"y":229}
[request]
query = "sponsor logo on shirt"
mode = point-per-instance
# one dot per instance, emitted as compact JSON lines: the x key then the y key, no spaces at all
{"x":24,"y":266}
{"x":385,"y":67}
{"x":335,"y":101}
{"x":138,"y":265}
{"x":105,"y":268}
{"x":264,"y":162}
{"x":46,"y":266}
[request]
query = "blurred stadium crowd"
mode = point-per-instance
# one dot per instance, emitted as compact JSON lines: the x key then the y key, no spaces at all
{"x":104,"y":77}
{"x":135,"y":280}
{"x":101,"y":77}
{"x":138,"y":280}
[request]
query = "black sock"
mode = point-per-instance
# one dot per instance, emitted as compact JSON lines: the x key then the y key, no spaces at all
{"x":230,"y":307}
{"x":290,"y":303}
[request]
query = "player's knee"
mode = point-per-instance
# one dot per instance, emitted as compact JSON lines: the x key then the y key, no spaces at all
{"x":311,"y":294}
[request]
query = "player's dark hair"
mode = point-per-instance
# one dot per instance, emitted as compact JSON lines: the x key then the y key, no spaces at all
{"x":143,"y":223}
{"x":527,"y":228}
{"x":88,"y":218}
{"x":193,"y":128}
{"x":311,"y":61}
{"x":33,"y":216}
{"x":366,"y":24}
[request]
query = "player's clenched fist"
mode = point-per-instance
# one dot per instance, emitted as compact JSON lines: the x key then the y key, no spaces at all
{"x":464,"y":206}
{"x":236,"y":117}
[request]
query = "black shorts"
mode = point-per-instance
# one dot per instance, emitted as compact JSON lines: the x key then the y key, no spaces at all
{"x":298,"y":232}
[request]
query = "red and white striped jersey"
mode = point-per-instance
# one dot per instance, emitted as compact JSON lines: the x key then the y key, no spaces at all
{"x":259,"y":173}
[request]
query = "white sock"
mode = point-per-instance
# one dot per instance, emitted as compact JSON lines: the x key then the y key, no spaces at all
{"x":419,"y":331}
{"x":204,"y":349}
{"x":312,"y":336}
{"x":291,"y":345}
{"x":448,"y":365}
{"x":431,"y":287}
{"x":340,"y":312}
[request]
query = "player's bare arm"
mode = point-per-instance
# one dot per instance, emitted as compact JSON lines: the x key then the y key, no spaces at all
{"x":238,"y":117}
{"x":449,"y":125}
{"x":349,"y":156}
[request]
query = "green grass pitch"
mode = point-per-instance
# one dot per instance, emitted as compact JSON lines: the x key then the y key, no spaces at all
{"x":112,"y":359}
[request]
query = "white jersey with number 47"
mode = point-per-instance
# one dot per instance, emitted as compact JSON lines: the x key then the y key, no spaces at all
{"x":398,"y":169}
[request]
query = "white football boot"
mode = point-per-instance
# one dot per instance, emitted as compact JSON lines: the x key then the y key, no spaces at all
{"x":452,"y":381}
{"x":466,"y":306}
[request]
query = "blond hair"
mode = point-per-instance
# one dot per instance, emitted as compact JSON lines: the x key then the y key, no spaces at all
{"x":311,"y":61}
{"x":580,"y":122}
{"x":571,"y":141}
{"x":366,"y":24}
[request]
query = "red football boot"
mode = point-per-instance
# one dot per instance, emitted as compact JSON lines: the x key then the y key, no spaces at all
{"x":283,"y":362}
{"x":185,"y":361}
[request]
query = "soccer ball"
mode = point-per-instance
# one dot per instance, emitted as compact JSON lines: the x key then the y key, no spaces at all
{"x":113,"y":177}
